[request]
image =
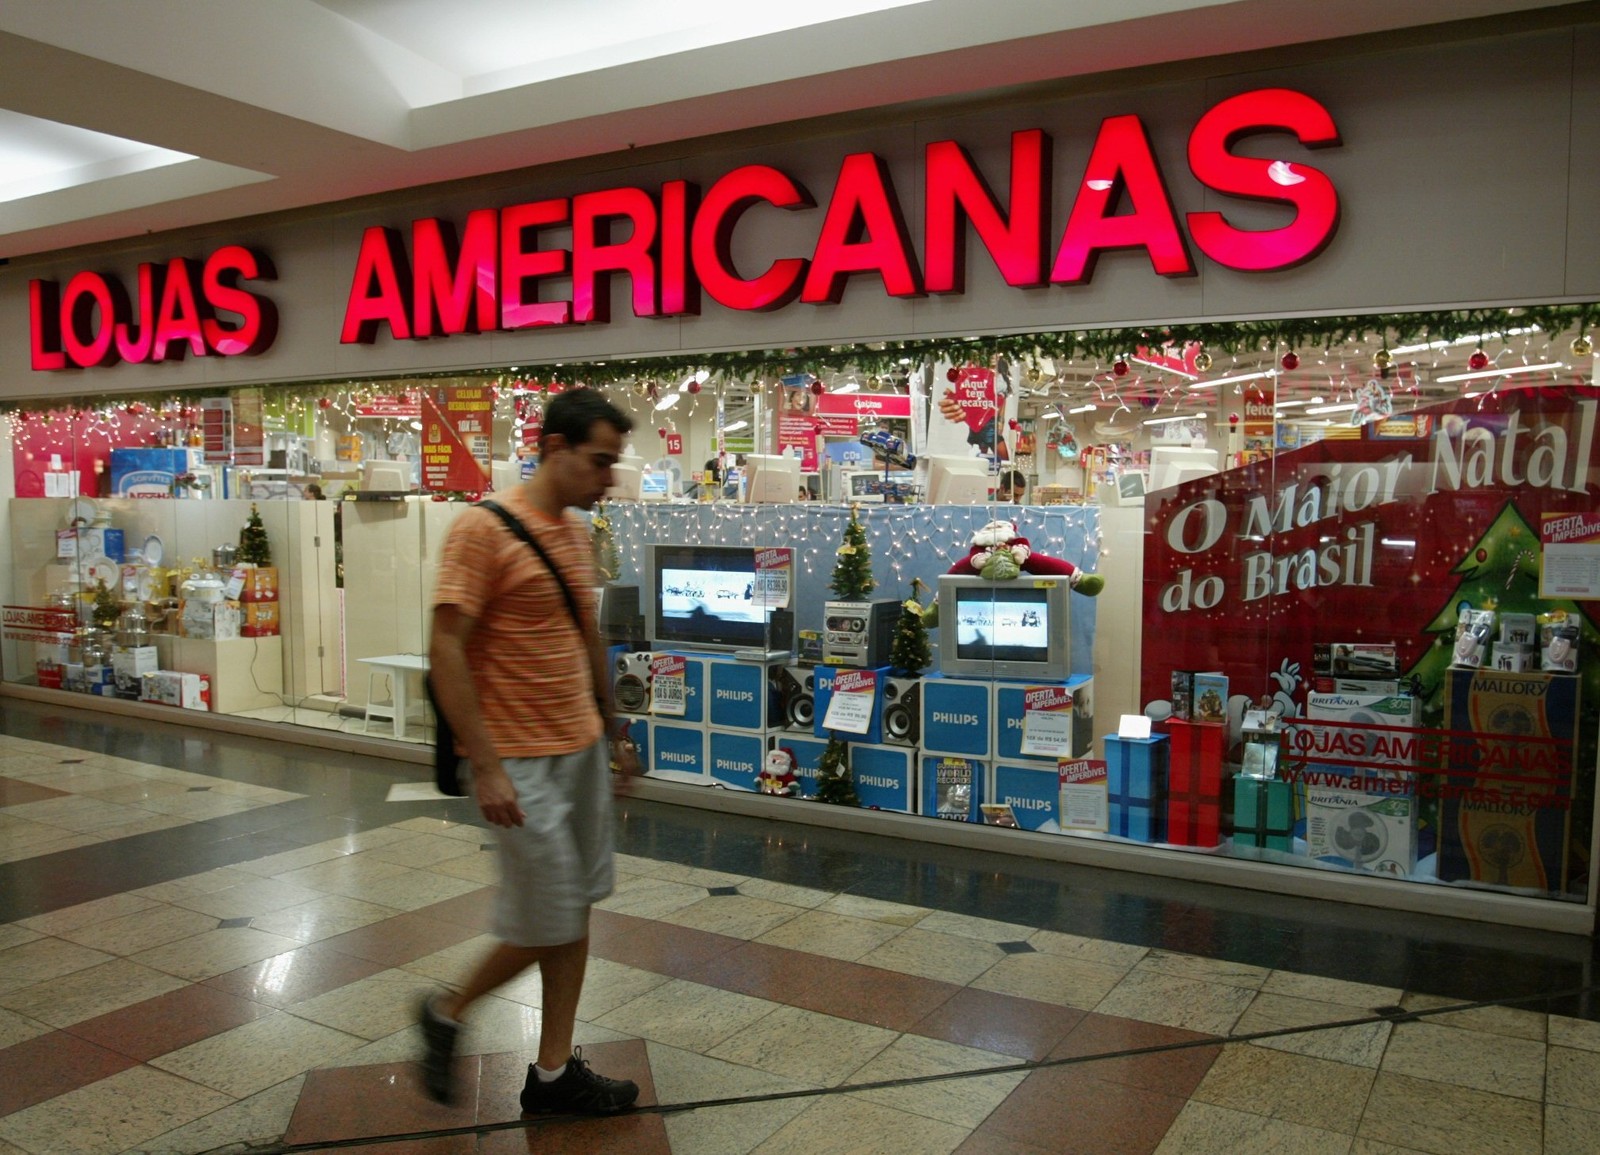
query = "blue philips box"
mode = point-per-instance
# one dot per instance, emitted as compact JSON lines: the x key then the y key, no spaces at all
{"x":678,"y":752}
{"x":885,"y":776}
{"x":694,"y":688}
{"x":740,"y":696}
{"x":1136,"y":781}
{"x":1008,"y":715}
{"x":952,"y":788}
{"x":807,"y":756}
{"x":957,"y":717}
{"x":1032,"y":788}
{"x":736,"y":757}
{"x":825,"y":677}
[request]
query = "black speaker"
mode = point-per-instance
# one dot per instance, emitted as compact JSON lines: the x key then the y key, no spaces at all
{"x":794,"y":696}
{"x":902,"y":711}
{"x":630,"y":683}
{"x":780,"y":630}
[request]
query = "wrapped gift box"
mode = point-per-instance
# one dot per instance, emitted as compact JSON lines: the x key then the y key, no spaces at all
{"x":1136,"y":770}
{"x":1263,"y":813}
{"x":1506,"y":805}
{"x":257,"y":583}
{"x":1194,"y":783}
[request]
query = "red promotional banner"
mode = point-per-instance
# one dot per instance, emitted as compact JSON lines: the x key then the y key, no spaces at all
{"x":876,"y":405}
{"x":799,"y":432}
{"x":456,"y":425}
{"x":1367,"y":540}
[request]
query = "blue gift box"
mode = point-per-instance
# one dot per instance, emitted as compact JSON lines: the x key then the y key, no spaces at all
{"x":1136,"y":783}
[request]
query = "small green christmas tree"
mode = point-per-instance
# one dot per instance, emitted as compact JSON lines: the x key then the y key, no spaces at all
{"x":909,"y":653}
{"x":834,"y":785}
{"x":607,"y":558}
{"x":253,"y":547}
{"x":106,"y":607}
{"x":852,"y":573}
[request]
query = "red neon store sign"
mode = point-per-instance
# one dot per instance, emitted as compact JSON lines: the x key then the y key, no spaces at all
{"x":677,"y":243}
{"x":175,"y":309}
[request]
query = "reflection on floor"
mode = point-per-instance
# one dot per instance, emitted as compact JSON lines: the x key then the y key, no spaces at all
{"x":322,"y":719}
{"x":246,"y":974}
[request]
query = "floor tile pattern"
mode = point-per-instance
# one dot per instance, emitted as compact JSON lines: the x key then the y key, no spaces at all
{"x":215,"y":944}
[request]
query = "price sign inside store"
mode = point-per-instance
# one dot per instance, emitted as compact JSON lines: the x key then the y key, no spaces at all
{"x":669,"y":692}
{"x":1085,"y":797}
{"x":774,"y":578}
{"x":854,"y":698}
{"x":1047,"y":721}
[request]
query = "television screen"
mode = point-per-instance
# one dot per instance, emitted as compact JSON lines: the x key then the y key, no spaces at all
{"x":1011,"y":625}
{"x":705,"y":596}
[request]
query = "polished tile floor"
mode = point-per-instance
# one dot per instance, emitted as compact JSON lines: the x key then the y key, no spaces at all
{"x":215,"y":944}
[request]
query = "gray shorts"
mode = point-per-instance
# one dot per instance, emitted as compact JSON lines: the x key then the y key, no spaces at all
{"x":558,"y":862}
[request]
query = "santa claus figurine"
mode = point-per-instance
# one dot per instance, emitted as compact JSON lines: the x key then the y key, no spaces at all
{"x":777,"y":774}
{"x":999,"y":553}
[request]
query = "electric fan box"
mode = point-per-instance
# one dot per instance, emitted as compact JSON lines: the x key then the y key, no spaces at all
{"x":1372,"y":832}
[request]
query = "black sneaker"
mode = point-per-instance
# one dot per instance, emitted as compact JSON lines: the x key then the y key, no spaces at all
{"x":579,"y":1091}
{"x":438,"y":1049}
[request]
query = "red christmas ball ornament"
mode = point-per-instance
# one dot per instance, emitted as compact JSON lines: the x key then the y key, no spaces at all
{"x":694,"y":386}
{"x":662,"y":432}
{"x":952,"y":374}
{"x":137,"y":409}
{"x":1478,"y":360}
{"x":1233,"y":419}
{"x":1014,"y":425}
{"x":324,"y":403}
{"x":1290,"y":361}
{"x":816,"y":386}
{"x":1119,"y":367}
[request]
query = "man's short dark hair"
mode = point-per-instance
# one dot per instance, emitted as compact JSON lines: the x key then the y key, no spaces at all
{"x":1013,"y":480}
{"x":574,"y":413}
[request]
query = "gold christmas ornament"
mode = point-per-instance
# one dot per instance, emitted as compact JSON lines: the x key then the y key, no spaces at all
{"x":1202,"y":361}
{"x":1035,"y":375}
{"x":1582,"y":346}
{"x":874,"y":383}
{"x":1383,"y":358}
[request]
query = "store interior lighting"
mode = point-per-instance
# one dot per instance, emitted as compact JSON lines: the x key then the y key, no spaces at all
{"x":1513,"y":371}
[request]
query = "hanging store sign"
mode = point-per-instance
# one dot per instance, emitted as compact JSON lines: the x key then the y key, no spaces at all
{"x":492,"y":274}
{"x":877,"y":406}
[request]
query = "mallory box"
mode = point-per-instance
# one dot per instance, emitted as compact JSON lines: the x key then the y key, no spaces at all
{"x":952,"y":787}
{"x":1194,"y":783}
{"x":678,"y":752}
{"x":1010,"y":701}
{"x":885,"y":776}
{"x":1136,"y":786}
{"x":958,"y":717}
{"x":1506,"y":805}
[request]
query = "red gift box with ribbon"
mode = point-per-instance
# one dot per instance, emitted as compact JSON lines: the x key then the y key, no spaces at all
{"x":1194,"y":783}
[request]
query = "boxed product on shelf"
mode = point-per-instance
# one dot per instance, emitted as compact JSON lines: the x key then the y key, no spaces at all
{"x":147,"y":472}
{"x":678,"y":752}
{"x":1194,"y":783}
{"x":1210,"y":702}
{"x":1263,"y":813}
{"x":1365,"y":830}
{"x":256,"y":583}
{"x":171,"y":688}
{"x":1013,"y":700}
{"x":1505,"y":807}
{"x":89,"y":541}
{"x":735,"y":757}
{"x":50,"y":675}
{"x":1366,"y":735}
{"x":952,"y":787}
{"x":1559,"y":633}
{"x":958,"y":717}
{"x":1032,"y":789}
{"x":885,"y":776}
{"x":259,"y":620}
{"x":742,"y":696}
{"x":1136,"y":784}
{"x":1513,"y":657}
{"x":129,"y":664}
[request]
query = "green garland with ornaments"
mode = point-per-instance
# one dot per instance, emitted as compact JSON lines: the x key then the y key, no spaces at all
{"x":885,"y":358}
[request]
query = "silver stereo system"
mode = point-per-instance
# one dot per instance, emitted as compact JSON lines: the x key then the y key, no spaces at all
{"x":630,"y":683}
{"x":859,"y":633}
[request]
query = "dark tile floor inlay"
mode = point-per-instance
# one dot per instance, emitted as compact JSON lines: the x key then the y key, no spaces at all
{"x":233,"y":923}
{"x":1017,"y":947}
{"x":719,"y":891}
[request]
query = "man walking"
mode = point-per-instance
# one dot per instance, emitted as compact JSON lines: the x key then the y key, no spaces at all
{"x":525,"y":688}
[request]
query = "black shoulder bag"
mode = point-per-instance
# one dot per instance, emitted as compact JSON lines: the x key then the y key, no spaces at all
{"x":446,"y":763}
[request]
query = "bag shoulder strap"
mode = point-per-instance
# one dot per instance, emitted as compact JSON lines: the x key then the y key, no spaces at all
{"x":515,"y":526}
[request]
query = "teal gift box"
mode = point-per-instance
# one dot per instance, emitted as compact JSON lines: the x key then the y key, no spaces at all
{"x":1262,"y":813}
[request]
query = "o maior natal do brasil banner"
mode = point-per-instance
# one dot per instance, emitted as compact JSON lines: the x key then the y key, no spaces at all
{"x":1379,"y":539}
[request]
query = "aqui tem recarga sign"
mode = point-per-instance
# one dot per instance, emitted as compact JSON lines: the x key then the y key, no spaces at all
{"x":674,"y":243}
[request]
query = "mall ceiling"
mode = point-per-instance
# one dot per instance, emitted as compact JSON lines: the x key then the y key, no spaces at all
{"x":119,"y":119}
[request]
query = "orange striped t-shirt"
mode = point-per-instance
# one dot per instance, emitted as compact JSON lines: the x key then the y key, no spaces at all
{"x":529,"y":662}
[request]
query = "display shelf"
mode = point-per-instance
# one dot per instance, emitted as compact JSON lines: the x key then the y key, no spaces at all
{"x":245,"y":673}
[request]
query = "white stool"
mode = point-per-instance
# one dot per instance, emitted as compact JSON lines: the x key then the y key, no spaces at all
{"x":397,"y":668}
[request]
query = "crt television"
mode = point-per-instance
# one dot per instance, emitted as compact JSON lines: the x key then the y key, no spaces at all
{"x":958,"y":480}
{"x":771,"y":478}
{"x":1174,"y":464}
{"x":1005,"y":629}
{"x":702,"y":597}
